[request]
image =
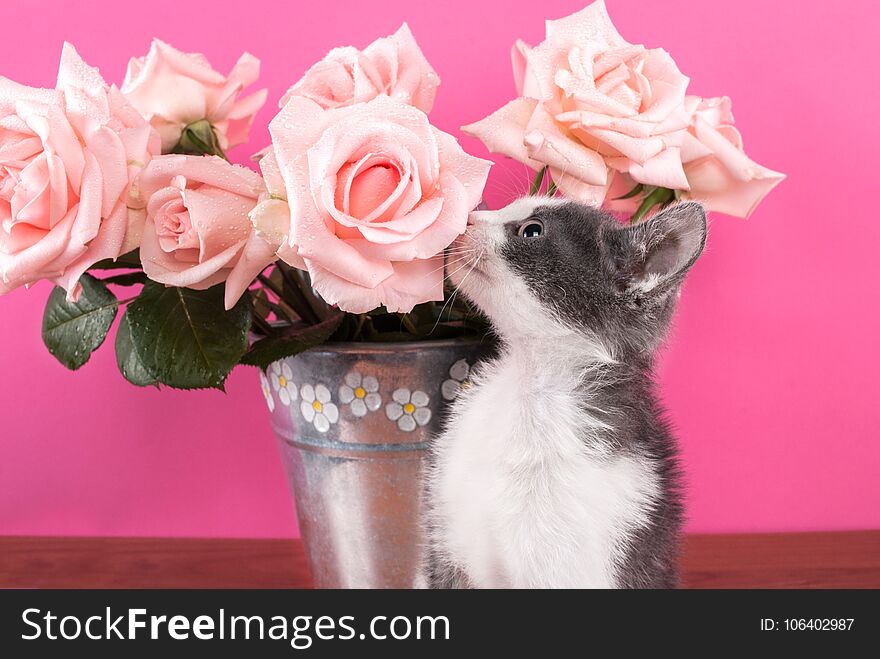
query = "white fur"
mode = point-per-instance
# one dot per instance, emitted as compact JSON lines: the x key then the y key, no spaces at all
{"x":646,"y":284}
{"x":524,"y":491}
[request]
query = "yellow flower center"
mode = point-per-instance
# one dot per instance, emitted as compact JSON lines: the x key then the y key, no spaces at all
{"x":317,"y":405}
{"x":360,"y":392}
{"x":465,"y":384}
{"x":409,"y":408}
{"x":282,"y":381}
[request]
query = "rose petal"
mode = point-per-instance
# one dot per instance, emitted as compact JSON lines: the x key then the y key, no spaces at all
{"x":668,"y":85}
{"x":330,"y":82}
{"x":370,"y":188}
{"x":271,"y":220}
{"x":294,"y":130}
{"x":255,"y":257}
{"x":169,"y":84}
{"x":523,"y":76}
{"x":107,"y":148}
{"x":546,"y":143}
{"x":574,"y":188}
{"x":563,"y":34}
{"x":167,"y":269}
{"x":451,"y":209}
{"x":28,"y":264}
{"x":621,"y":185}
{"x":76,"y":174}
{"x":503,"y":130}
{"x":415,"y":74}
{"x":663,"y":170}
{"x":85,"y":91}
{"x":713,"y":185}
{"x":172,"y":88}
{"x":219,"y":217}
{"x":209,"y":170}
{"x":410,"y":284}
{"x":106,"y":244}
{"x":245,"y":72}
{"x":62,"y":139}
{"x":237,"y":126}
{"x":470,"y":171}
{"x":403,"y":229}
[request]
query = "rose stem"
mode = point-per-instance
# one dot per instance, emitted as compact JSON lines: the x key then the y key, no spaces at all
{"x":316,"y":303}
{"x":272,"y":286}
{"x":309,"y":314}
{"x":408,"y":324}
{"x":260,"y":322}
{"x":537,"y":181}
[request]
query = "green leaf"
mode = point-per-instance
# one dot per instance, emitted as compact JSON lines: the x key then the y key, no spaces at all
{"x":657,"y":197}
{"x":127,"y":359}
{"x":291,"y":341}
{"x":128,"y":261}
{"x":185,"y":337}
{"x":537,"y":181}
{"x":199,"y":139}
{"x":72,"y":331}
{"x":632,"y":193}
{"x":126,"y":279}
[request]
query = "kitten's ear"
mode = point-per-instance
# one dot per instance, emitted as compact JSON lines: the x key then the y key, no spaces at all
{"x":660,"y":250}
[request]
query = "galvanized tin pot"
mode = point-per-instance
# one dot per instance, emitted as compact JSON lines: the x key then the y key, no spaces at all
{"x":353,"y":422}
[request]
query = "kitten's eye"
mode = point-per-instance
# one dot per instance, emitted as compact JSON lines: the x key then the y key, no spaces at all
{"x":531,"y":229}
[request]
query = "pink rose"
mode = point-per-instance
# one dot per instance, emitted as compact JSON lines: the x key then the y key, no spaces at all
{"x":719,"y":173}
{"x":375,"y":195}
{"x":68,"y":157}
{"x":197,"y":233}
{"x":591,"y":104}
{"x":391,"y":66}
{"x":172,"y":89}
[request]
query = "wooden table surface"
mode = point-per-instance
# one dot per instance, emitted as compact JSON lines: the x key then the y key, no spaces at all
{"x":788,"y":560}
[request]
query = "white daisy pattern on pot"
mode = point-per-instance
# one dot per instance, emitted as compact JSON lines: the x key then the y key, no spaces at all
{"x":317,"y":408}
{"x":458,"y":380}
{"x":360,"y":393}
{"x":409,"y":409}
{"x":267,"y":391}
{"x":282,"y":382}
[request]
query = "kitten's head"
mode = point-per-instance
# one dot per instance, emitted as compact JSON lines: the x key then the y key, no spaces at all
{"x":541,"y":267}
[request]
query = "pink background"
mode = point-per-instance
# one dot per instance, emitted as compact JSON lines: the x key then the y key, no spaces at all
{"x":771,"y":376}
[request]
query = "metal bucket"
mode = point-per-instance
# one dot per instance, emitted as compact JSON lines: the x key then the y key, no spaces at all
{"x":353,"y":422}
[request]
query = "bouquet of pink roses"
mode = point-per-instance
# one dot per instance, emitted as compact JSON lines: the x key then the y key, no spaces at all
{"x":343,"y":234}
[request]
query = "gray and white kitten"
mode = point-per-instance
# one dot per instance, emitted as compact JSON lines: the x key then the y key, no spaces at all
{"x":556,"y":468}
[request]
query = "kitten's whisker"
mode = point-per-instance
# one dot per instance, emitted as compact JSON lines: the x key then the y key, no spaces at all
{"x":445,"y":265}
{"x":451,"y":299}
{"x":459,"y":268}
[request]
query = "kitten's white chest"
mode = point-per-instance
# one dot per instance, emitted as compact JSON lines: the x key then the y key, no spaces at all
{"x":524,"y":494}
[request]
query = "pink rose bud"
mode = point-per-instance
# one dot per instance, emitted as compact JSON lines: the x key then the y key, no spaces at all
{"x":198,"y":233}
{"x":172,"y":89}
